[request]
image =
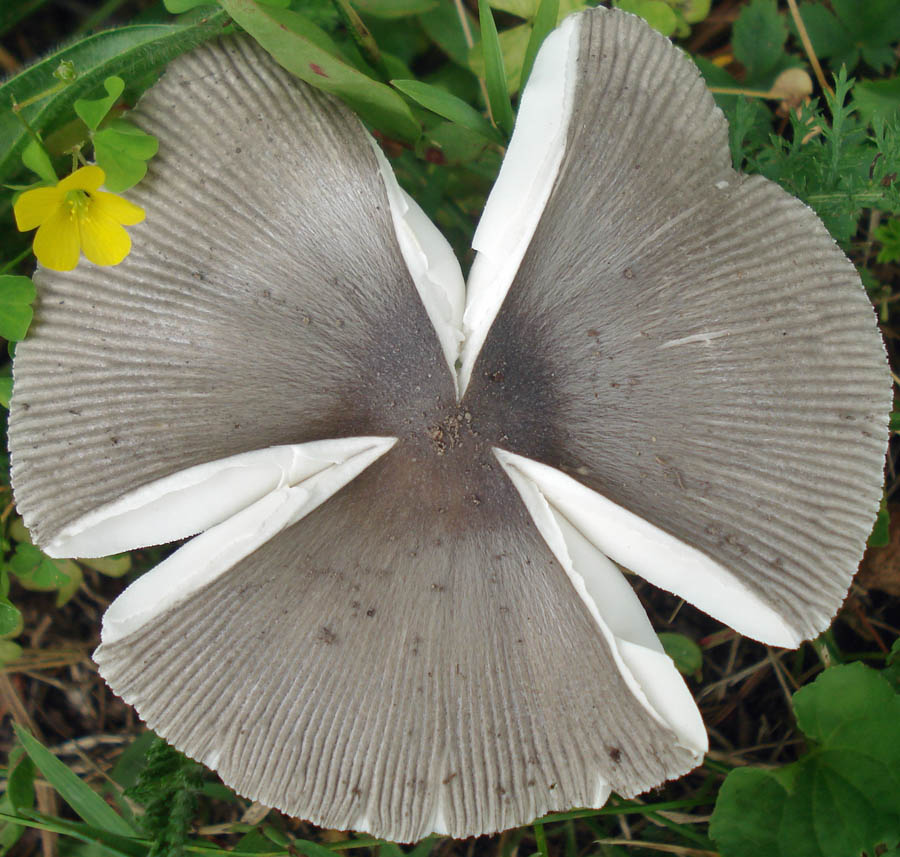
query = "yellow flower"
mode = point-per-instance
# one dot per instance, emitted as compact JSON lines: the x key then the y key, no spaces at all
{"x":74,"y":217}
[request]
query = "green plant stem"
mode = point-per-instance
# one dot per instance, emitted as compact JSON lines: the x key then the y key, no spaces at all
{"x":20,"y":258}
{"x":540,"y":837}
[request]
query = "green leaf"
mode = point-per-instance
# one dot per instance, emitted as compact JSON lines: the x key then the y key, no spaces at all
{"x":854,"y":31}
{"x":494,"y":72}
{"x":877,"y":99}
{"x":16,"y":295}
{"x":300,"y":46}
{"x":6,"y":387}
{"x":391,"y":9}
{"x":838,"y":800}
{"x":82,"y":798}
{"x":9,"y":651}
{"x":449,"y":106}
{"x":92,"y":113}
{"x":758,"y":40}
{"x":35,"y":157}
{"x":122,"y":150}
{"x":10,"y":619}
{"x":443,"y":26}
{"x":20,"y":785}
{"x":881,"y":530}
{"x":123,"y":846}
{"x":132,"y":52}
{"x":544,"y":22}
{"x":656,"y":13}
{"x":176,"y":7}
{"x":111,"y":566}
{"x":513,"y":44}
{"x":895,"y":421}
{"x":686,"y":654}
{"x":40,"y":573}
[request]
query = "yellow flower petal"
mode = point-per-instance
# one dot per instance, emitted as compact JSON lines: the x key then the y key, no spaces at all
{"x":35,"y":206}
{"x":104,"y":241}
{"x":57,"y":242}
{"x":119,"y":209}
{"x":84,"y":178}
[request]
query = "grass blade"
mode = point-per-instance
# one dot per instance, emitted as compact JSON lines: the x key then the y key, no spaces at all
{"x":544,"y":22}
{"x":449,"y":106}
{"x":73,"y":790}
{"x":494,"y":71}
{"x":306,"y":51}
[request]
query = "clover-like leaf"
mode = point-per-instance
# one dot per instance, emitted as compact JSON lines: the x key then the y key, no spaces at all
{"x":758,"y":42}
{"x":657,"y":13}
{"x":16,"y":295}
{"x":93,"y":112}
{"x":854,"y":31}
{"x":40,"y":573}
{"x":10,"y":619}
{"x":838,"y":800}
{"x":35,"y":157}
{"x":122,"y":151}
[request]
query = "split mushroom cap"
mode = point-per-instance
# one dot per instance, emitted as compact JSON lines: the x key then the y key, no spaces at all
{"x":403,"y":612}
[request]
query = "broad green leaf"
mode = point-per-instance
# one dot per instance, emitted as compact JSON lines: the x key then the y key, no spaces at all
{"x":457,"y":145}
{"x":758,"y":41}
{"x":494,"y":72}
{"x":444,"y":27}
{"x":176,"y":7}
{"x":838,"y":800}
{"x":9,"y":651}
{"x":40,"y":573}
{"x":656,"y":13}
{"x":449,"y":106}
{"x":131,"y":52}
{"x":122,"y":150}
{"x":683,"y":651}
{"x":878,"y":99}
{"x":544,"y":21}
{"x":391,"y":9}
{"x":693,"y":11}
{"x":111,"y":566}
{"x":881,"y":530}
{"x":20,"y":785}
{"x":76,"y":793}
{"x":16,"y":295}
{"x":895,"y":421}
{"x":35,"y":157}
{"x":10,"y":619}
{"x":92,"y":113}
{"x":297,"y":44}
{"x":6,"y":386}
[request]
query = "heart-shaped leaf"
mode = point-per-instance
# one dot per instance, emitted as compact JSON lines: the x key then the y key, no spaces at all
{"x":93,"y":112}
{"x":16,"y":295}
{"x":122,"y":151}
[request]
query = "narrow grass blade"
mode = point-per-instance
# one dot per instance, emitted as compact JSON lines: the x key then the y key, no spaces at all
{"x":544,"y":22}
{"x":494,"y":72}
{"x":122,"y":846}
{"x":305,"y":50}
{"x":449,"y":106}
{"x":80,"y":796}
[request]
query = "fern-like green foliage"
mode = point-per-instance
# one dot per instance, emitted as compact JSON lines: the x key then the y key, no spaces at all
{"x":831,"y":159}
{"x":168,"y":788}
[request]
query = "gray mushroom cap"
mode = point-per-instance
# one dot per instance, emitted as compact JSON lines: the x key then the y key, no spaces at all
{"x":402,"y":613}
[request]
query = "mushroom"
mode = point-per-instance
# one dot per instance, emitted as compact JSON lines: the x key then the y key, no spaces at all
{"x":404,"y":611}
